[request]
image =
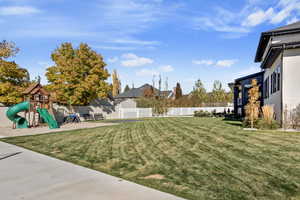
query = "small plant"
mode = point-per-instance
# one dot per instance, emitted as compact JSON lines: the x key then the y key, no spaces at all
{"x":285,"y":121}
{"x":159,"y":107}
{"x":267,"y":125}
{"x":295,"y":117}
{"x":202,"y":113}
{"x":268,"y":113}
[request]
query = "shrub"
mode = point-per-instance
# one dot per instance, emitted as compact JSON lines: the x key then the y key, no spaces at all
{"x":267,"y":125}
{"x":202,"y":113}
{"x":268,"y":113}
{"x":160,"y":108}
{"x":247,"y":123}
{"x":295,"y":117}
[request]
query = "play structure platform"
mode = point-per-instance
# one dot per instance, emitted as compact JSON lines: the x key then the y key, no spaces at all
{"x":36,"y":108}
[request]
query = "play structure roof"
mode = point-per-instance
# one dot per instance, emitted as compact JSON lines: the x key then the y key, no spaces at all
{"x":35,"y":88}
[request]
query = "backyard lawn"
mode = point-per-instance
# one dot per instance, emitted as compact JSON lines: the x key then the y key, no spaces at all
{"x":196,"y":158}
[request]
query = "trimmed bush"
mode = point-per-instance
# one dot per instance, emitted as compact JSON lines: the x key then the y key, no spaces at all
{"x":202,"y":113}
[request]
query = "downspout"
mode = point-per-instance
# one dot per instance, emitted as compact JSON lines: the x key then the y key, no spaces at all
{"x":281,"y":84}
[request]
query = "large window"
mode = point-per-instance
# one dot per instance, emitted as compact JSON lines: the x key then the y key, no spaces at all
{"x":278,"y":78}
{"x":275,"y":80}
{"x":266,"y":88}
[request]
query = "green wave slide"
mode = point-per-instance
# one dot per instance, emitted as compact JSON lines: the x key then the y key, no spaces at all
{"x":52,"y":123}
{"x":21,"y":122}
{"x":12,"y":114}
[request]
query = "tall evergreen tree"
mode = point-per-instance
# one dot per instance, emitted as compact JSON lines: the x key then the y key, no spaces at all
{"x":116,"y":85}
{"x":126,"y":88}
{"x":78,"y":76}
{"x":178,"y":91}
{"x":13,"y":79}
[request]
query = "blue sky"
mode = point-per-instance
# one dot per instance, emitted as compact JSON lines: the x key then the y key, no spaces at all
{"x":183,"y":40}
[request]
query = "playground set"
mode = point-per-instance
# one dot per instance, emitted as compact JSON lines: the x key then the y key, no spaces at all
{"x":37,"y":105}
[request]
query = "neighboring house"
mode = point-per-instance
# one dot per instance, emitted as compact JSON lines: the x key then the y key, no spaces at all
{"x":135,"y":93}
{"x":279,"y":54}
{"x":241,"y":87}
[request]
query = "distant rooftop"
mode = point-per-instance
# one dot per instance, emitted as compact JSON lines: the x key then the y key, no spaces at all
{"x":139,"y":92}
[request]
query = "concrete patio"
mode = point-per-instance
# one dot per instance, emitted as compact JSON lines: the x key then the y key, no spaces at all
{"x":28,"y":175}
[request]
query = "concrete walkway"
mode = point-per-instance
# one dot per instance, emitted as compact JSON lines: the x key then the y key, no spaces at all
{"x":33,"y":176}
{"x":9,"y":132}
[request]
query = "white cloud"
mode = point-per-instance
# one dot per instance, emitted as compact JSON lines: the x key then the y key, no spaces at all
{"x":258,"y":17}
{"x":285,"y":13}
{"x":45,"y":64}
{"x":155,"y":71}
{"x":132,"y":16}
{"x":147,"y":72}
{"x":18,"y":10}
{"x":226,"y":63}
{"x":292,"y":20}
{"x":218,"y":63}
{"x":135,"y":42}
{"x":112,"y":60}
{"x":166,"y":68}
{"x":255,"y":12}
{"x":217,"y":24}
{"x":203,"y":62}
{"x":115,"y":23}
{"x":132,"y":60}
{"x":117,"y":48}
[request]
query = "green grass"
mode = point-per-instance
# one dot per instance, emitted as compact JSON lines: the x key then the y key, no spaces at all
{"x":196,"y":158}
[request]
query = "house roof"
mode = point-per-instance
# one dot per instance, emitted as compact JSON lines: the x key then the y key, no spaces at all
{"x":265,"y":37}
{"x":139,"y":92}
{"x":134,"y":92}
{"x":249,"y":76}
{"x":292,"y":26}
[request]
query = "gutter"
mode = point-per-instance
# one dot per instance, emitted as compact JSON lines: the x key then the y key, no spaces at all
{"x":283,"y":46}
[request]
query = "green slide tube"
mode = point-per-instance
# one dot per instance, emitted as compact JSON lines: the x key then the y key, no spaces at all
{"x":12,"y":114}
{"x":52,"y":123}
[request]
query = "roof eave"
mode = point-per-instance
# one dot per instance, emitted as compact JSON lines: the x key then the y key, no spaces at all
{"x":263,"y":44}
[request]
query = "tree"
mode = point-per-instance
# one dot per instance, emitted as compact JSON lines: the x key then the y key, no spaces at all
{"x":218,"y":94}
{"x":116,"y":86}
{"x":13,"y":79}
{"x":78,"y":76}
{"x":252,"y":108}
{"x":149,"y":92}
{"x":199,"y":91}
{"x":178,"y":91}
{"x":126,"y":88}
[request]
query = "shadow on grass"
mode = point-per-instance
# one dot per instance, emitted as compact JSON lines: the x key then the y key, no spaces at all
{"x":233,"y":122}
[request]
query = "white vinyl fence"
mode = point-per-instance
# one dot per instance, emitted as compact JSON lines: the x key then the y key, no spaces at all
{"x":190,"y":111}
{"x":118,"y":113}
{"x":124,"y":113}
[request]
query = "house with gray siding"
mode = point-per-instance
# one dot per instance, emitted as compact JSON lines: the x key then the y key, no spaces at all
{"x":278,"y":52}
